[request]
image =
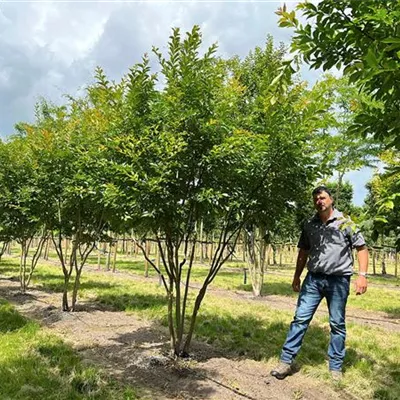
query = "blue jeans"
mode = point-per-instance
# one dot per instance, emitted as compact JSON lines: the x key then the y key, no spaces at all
{"x":315,"y":287}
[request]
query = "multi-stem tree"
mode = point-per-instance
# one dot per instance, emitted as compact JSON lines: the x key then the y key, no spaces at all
{"x":20,"y":205}
{"x":186,"y":157}
{"x":66,"y":143}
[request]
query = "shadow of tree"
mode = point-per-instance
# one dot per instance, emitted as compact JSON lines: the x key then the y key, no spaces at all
{"x":257,"y":339}
{"x":393,"y":312}
{"x":10,"y":319}
{"x":272,"y":288}
{"x":388,"y":381}
{"x":143,"y":360}
{"x":54,"y":283}
{"x":130,"y":302}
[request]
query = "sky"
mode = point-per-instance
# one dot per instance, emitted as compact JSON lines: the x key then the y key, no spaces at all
{"x":51,"y":48}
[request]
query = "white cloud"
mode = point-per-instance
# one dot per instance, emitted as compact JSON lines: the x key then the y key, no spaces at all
{"x":49,"y":49}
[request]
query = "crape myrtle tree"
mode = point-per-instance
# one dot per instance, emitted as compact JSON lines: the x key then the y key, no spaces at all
{"x":273,"y":111}
{"x":20,"y":205}
{"x":67,"y":142}
{"x":185,"y":158}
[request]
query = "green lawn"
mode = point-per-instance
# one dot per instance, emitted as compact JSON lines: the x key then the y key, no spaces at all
{"x":36,"y":365}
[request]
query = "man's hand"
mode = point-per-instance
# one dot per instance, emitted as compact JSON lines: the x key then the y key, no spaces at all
{"x":296,"y":284}
{"x":360,"y":285}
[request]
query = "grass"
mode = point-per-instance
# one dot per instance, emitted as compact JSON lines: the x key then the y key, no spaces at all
{"x":253,"y":330}
{"x":36,"y":365}
{"x":384,"y":298}
{"x":278,"y":282}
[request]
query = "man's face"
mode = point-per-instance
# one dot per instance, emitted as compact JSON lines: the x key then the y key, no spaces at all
{"x":322,"y":201}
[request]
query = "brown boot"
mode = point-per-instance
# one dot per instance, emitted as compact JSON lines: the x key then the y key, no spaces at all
{"x":282,"y":370}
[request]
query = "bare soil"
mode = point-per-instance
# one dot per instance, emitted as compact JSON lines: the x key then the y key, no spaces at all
{"x":135,"y":351}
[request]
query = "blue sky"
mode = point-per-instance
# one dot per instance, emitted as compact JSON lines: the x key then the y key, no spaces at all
{"x":50,"y":49}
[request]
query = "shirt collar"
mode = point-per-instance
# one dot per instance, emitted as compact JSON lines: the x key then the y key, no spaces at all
{"x":335,"y":215}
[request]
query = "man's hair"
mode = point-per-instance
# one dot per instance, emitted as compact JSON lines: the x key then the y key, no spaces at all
{"x":320,"y":189}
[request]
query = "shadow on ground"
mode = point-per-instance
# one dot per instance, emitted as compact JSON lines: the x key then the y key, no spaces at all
{"x":392,"y":312}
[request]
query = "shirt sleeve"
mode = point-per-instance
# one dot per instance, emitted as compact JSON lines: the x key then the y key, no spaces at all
{"x":304,"y":243}
{"x":357,"y":239}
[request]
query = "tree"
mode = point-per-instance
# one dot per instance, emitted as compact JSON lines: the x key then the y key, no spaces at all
{"x":382,"y":213}
{"x":20,"y":205}
{"x":363,"y":39}
{"x":346,"y":192}
{"x":193,"y":155}
{"x":277,"y":109}
{"x":341,"y":149}
{"x":67,"y":146}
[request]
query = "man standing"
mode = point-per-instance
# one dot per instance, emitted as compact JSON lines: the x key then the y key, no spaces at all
{"x":325,"y":245}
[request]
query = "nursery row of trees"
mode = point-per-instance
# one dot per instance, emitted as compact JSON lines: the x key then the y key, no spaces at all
{"x":206,"y":145}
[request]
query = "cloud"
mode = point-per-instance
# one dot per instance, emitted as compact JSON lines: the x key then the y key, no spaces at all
{"x":50,"y":49}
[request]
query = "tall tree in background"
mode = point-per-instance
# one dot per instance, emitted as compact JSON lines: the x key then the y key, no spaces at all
{"x":277,"y":108}
{"x":343,"y":150}
{"x":383,"y":201}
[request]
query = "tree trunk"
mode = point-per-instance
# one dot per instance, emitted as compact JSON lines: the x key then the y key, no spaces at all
{"x":199,"y":299}
{"x":3,"y":249}
{"x":256,"y":254}
{"x":109,"y":256}
{"x":274,"y":255}
{"x":77,"y":283}
{"x":22,"y":266}
{"x":115,"y":255}
{"x":374,"y":262}
{"x":98,"y":256}
{"x":65,"y":306}
{"x":338,"y":188}
{"x":146,"y":263}
{"x":36,"y":256}
{"x":383,"y":262}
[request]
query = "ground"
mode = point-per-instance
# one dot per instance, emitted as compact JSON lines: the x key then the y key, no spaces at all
{"x":135,"y":351}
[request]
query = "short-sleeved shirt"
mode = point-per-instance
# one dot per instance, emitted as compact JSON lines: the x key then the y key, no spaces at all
{"x":330,"y":245}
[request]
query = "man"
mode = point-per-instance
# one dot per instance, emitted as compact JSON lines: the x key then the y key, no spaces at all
{"x":325,"y":245}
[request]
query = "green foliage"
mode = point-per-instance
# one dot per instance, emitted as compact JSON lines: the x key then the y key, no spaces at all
{"x":20,"y":206}
{"x":383,"y":202}
{"x":363,"y":38}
